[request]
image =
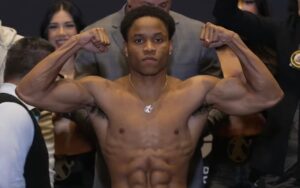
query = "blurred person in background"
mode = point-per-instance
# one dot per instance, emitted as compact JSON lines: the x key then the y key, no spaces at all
{"x":233,"y":135}
{"x":275,"y":157}
{"x":74,"y":148}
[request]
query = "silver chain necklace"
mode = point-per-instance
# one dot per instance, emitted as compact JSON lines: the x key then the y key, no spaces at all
{"x":150,"y":107}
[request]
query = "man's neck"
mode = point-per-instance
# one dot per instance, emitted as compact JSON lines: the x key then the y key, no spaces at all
{"x":149,"y":89}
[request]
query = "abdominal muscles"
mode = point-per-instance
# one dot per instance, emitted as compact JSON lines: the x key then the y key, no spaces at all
{"x":161,"y":169}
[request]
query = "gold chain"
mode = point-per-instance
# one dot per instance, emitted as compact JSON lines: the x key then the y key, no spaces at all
{"x":133,"y":86}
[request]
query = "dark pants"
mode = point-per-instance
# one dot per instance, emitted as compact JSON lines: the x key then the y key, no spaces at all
{"x":271,"y":146}
{"x":76,"y":171}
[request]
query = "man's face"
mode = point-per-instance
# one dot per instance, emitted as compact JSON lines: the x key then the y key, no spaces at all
{"x":163,"y":4}
{"x":148,"y":47}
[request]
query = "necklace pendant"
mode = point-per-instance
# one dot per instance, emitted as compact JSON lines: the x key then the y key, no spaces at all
{"x":148,"y":108}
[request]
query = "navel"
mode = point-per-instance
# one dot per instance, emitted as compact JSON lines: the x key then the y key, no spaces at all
{"x":121,"y":131}
{"x":176,"y":132}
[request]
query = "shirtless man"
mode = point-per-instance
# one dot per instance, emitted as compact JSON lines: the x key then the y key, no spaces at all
{"x":149,"y":126}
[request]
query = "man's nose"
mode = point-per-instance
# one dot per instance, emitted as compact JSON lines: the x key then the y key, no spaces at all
{"x":149,"y":47}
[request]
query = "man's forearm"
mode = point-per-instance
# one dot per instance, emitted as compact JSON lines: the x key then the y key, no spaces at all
{"x":230,"y":63}
{"x":45,"y":73}
{"x":258,"y":77}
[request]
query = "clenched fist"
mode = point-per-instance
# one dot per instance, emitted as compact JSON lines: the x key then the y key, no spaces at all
{"x":216,"y":36}
{"x":95,"y":40}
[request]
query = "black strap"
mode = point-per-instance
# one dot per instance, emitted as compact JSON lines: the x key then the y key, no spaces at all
{"x":4,"y":97}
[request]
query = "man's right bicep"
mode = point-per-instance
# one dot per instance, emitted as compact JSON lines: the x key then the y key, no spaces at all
{"x":66,"y":96}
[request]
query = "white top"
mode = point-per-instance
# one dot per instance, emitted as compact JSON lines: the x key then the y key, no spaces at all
{"x":16,"y":136}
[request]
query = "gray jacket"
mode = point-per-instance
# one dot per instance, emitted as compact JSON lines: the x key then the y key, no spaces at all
{"x":189,"y":57}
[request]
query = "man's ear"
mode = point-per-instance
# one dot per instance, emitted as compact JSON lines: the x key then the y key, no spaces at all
{"x":125,"y":51}
{"x":171,"y":48}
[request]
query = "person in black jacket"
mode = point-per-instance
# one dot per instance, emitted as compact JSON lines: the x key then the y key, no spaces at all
{"x":269,"y":153}
{"x":232,"y":135}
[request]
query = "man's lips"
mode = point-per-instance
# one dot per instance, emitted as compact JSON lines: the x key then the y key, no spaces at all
{"x":149,"y":59}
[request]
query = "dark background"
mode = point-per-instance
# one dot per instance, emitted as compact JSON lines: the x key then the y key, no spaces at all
{"x":25,"y":15}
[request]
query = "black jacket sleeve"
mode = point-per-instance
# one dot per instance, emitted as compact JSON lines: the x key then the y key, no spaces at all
{"x":251,"y":27}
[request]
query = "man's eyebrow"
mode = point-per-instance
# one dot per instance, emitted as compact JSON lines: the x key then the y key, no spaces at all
{"x":155,"y":34}
{"x":138,"y":35}
{"x":158,"y":33}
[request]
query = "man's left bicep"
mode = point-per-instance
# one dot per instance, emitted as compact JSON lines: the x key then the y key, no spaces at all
{"x":229,"y":96}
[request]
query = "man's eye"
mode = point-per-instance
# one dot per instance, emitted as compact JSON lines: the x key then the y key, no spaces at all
{"x":138,"y":41}
{"x":158,"y":40}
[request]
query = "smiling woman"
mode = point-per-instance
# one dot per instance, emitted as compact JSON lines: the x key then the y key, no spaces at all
{"x":73,"y":13}
{"x":61,"y":28}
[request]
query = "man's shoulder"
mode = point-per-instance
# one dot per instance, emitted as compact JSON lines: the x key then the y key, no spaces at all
{"x":186,"y":26}
{"x":93,"y":80}
{"x":182,"y":19}
{"x":108,"y":21}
